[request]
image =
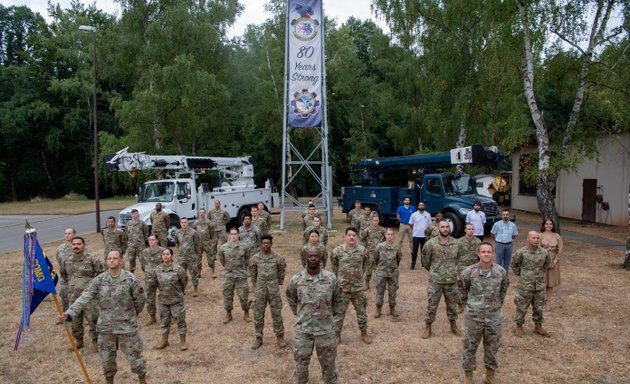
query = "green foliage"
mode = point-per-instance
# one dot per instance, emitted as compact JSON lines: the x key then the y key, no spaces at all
{"x":170,"y":81}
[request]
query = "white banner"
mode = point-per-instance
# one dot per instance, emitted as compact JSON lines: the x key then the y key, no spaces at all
{"x":306,"y":31}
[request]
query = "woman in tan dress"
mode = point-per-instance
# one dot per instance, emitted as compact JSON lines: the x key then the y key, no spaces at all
{"x":552,"y":242}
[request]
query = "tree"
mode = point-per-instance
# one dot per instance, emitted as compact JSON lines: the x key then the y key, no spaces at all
{"x":568,"y":21}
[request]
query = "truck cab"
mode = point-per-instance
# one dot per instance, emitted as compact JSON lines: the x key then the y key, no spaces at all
{"x":454,"y":195}
{"x":177,"y":196}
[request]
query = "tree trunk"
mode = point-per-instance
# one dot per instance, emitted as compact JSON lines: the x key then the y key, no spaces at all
{"x":546,"y":179}
{"x":461,"y":139}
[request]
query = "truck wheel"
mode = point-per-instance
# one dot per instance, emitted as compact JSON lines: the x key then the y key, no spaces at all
{"x":457,"y":224}
{"x":170,"y":233}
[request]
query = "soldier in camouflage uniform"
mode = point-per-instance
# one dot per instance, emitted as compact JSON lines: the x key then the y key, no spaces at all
{"x":314,"y":297}
{"x":150,"y":258}
{"x":371,"y":236}
{"x":220,"y":218}
{"x":267,"y":269}
{"x":78,"y":270}
{"x":189,"y":246}
{"x":432,"y":230}
{"x":530,"y":264}
{"x":63,"y":251}
{"x":159,"y":224}
{"x":250,"y":237}
{"x":363,"y":221}
{"x":313,"y":241}
{"x":355,"y":212}
{"x":468,"y":247}
{"x":484,"y":286}
{"x":348,"y":264}
{"x":322,"y":231}
{"x":205,"y":229}
{"x":120,"y":299}
{"x":259,"y":221}
{"x":439,"y":257}
{"x":171,"y":280}
{"x":137,"y":232}
{"x":115,"y":239}
{"x":234,"y":262}
{"x":312,"y":213}
{"x":265,"y":215}
{"x":387,"y":256}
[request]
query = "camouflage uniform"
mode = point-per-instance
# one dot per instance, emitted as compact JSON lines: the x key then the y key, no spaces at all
{"x":171,"y":280}
{"x":530,"y":266}
{"x":63,"y":251}
{"x":267,"y":216}
{"x":348,"y":265}
{"x":261,"y":223}
{"x":205,"y":229}
{"x":322,"y":250}
{"x":120,"y":299}
{"x":484,"y":292}
{"x":441,"y":262}
{"x":159,"y":226}
{"x":137,"y":233}
{"x":189,"y":246}
{"x":149,"y":259}
{"x":371,"y":237}
{"x":307,"y":221}
{"x":78,"y":271}
{"x":323,"y":234}
{"x":431,"y":231}
{"x":386,"y":260}
{"x":362,"y":222}
{"x":466,"y":255}
{"x":314,"y":300}
{"x":267,"y":276}
{"x":250,"y":239}
{"x":354,"y":215}
{"x":233,"y":260}
{"x":115,"y":240}
{"x":220,"y":218}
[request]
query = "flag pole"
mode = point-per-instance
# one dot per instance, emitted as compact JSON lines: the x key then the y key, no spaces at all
{"x":74,"y":344}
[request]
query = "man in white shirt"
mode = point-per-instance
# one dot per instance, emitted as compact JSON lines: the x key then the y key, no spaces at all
{"x":419,"y":221}
{"x":477,"y":218}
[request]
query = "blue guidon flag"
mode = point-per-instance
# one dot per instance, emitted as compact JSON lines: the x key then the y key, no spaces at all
{"x":305,"y":34}
{"x":39,"y":278}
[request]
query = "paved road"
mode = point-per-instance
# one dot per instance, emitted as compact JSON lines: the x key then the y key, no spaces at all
{"x":49,"y":227}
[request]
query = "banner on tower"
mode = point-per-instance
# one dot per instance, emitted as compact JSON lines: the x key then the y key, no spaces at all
{"x":305,"y":23}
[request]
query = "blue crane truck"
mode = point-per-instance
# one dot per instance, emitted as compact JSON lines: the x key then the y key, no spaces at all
{"x":383,"y":183}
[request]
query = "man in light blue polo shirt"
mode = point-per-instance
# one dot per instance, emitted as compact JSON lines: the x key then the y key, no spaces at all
{"x":504,"y":232}
{"x":403,"y":214}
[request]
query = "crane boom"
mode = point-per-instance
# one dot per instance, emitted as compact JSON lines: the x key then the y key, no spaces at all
{"x":232,"y":168}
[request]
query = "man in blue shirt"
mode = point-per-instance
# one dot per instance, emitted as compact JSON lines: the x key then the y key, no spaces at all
{"x":403,"y":214}
{"x":504,"y":232}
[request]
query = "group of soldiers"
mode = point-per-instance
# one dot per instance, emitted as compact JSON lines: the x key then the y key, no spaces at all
{"x":462,"y":270}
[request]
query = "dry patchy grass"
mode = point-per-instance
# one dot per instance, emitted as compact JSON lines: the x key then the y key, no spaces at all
{"x":63,"y":206}
{"x":590,"y":340}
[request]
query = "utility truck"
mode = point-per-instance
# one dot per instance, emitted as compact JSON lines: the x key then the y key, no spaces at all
{"x":383,"y":184}
{"x":179,"y":193}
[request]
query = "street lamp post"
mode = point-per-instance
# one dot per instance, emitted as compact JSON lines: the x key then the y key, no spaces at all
{"x":91,"y":29}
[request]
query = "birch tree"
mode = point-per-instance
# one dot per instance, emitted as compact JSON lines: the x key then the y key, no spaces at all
{"x":567,"y":21}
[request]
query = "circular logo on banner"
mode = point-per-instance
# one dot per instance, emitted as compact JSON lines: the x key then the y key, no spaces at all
{"x":305,"y":28}
{"x":305,"y":103}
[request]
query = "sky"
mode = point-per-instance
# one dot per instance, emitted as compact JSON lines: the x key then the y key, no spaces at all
{"x":253,"y":13}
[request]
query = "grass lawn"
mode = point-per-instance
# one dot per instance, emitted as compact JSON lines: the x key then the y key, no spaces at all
{"x":65,"y":205}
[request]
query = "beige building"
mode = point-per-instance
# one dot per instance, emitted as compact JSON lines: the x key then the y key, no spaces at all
{"x":598,"y":191}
